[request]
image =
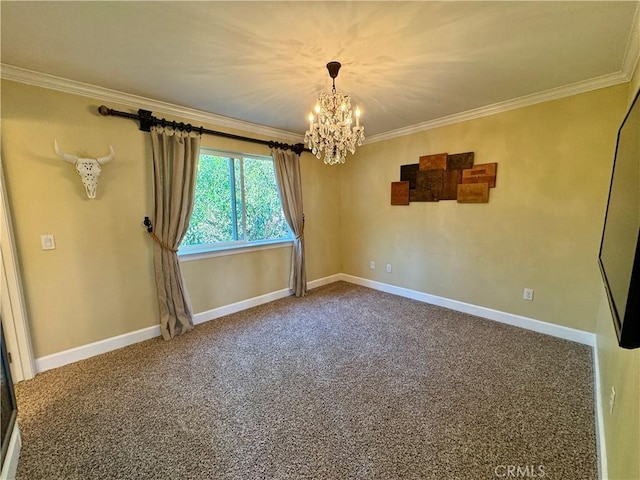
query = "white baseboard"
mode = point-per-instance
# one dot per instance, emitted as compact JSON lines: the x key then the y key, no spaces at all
{"x":85,"y":351}
{"x":324,"y":281}
{"x":72,"y":355}
{"x":10,"y":465}
{"x":65,"y":357}
{"x":578,"y":336}
{"x":255,"y":301}
{"x":601,"y":441}
{"x":239,"y":306}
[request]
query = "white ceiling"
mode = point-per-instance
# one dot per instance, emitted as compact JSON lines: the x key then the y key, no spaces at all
{"x":404,"y":63}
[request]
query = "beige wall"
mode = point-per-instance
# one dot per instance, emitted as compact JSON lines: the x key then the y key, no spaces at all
{"x":541,"y":228}
{"x":98,"y":283}
{"x":619,"y":368}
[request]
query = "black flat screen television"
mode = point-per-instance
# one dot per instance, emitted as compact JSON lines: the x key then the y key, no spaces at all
{"x":620,"y":249}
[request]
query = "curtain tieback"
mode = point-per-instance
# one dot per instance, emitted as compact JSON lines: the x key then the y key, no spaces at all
{"x":149,"y":226}
{"x":161,"y":243}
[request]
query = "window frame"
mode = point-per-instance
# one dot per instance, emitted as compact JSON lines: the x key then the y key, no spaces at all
{"x":195,"y":252}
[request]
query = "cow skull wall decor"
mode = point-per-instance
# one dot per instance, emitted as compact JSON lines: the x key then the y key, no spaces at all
{"x":89,"y":169}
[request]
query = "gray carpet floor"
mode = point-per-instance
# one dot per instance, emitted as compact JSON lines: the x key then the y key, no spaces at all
{"x":346,"y":383}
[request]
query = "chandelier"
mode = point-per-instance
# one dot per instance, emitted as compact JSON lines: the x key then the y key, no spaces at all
{"x":331,"y":130}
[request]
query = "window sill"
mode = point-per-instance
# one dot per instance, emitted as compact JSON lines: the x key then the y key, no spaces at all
{"x":232,"y":250}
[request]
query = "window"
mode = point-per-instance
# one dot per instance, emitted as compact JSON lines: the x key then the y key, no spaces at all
{"x":236,"y":203}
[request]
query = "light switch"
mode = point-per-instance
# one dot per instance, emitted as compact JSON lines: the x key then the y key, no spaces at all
{"x":48,"y":242}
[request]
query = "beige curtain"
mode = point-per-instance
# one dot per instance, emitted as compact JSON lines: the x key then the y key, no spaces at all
{"x":287,"y":166}
{"x":175,"y":164}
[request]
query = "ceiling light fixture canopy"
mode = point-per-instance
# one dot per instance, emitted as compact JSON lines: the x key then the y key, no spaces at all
{"x":331,"y":130}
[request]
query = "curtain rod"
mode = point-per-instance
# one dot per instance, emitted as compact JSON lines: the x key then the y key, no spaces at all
{"x":147,"y":120}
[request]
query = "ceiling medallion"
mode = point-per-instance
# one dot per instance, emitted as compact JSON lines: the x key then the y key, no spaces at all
{"x":330,"y":130}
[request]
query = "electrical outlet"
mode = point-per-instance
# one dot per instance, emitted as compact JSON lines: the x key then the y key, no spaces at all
{"x":528,"y":294}
{"x":388,"y":268}
{"x":612,"y":399}
{"x":372,"y":265}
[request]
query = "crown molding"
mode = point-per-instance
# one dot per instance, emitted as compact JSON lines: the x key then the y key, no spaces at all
{"x":51,"y":82}
{"x":546,"y":96}
{"x":632,"y":54}
{"x":30,"y":77}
